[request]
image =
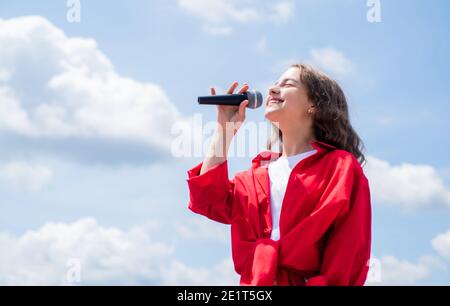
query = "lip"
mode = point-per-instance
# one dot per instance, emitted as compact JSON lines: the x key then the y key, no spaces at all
{"x":275,"y":101}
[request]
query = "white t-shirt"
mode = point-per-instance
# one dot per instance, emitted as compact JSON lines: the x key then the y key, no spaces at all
{"x":279,"y":172}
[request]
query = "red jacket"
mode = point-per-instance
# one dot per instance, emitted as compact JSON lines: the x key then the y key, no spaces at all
{"x":325,"y":221}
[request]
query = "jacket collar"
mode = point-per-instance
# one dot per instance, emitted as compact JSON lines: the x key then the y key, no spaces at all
{"x":264,"y":158}
{"x":261,"y":162}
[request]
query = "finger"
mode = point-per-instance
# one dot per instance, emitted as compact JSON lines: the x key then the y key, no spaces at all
{"x":213,"y":91}
{"x":232,"y":88}
{"x":244,"y":88}
{"x":242,"y":107}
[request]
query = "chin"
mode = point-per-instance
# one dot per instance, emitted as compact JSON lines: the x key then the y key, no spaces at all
{"x":272,"y":116}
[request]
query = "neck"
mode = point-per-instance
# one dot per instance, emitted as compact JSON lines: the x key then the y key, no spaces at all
{"x":294,"y":142}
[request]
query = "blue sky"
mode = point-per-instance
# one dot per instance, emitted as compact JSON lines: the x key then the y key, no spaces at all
{"x":69,"y":170}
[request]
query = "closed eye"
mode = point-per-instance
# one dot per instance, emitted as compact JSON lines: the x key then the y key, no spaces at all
{"x":288,"y":85}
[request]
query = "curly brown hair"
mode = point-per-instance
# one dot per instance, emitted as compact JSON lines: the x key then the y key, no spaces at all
{"x":331,"y":120}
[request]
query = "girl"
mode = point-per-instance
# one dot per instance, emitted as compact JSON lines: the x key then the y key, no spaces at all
{"x":300,"y":216}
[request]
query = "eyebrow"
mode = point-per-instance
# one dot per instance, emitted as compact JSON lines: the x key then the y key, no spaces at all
{"x":285,"y":80}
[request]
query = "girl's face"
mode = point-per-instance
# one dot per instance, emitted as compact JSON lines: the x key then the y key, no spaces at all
{"x":287,"y":101}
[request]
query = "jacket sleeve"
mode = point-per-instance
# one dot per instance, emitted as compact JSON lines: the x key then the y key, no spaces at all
{"x":256,"y":262}
{"x":211,"y":193}
{"x":347,"y":246}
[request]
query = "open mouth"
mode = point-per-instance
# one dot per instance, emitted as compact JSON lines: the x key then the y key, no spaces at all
{"x":275,"y":101}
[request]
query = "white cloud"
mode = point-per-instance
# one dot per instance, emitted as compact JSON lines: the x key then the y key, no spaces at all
{"x":389,"y":270}
{"x":54,"y":86}
{"x":406,"y":185}
{"x":4,"y":75}
{"x":218,"y":11}
{"x":26,"y":176}
{"x":217,"y":15}
{"x":218,"y":30}
{"x":107,"y":255}
{"x":332,"y":60}
{"x":393,"y":271}
{"x":12,"y":116}
{"x":222,"y":274}
{"x":441,"y":243}
{"x":283,"y":11}
{"x":200,"y":229}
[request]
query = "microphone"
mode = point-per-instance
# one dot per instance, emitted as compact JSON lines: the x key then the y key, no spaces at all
{"x":255,"y":99}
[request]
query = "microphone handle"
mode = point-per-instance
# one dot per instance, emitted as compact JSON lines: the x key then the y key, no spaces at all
{"x":232,"y":100}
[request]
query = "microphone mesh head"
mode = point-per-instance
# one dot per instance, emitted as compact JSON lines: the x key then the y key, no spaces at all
{"x":255,"y":99}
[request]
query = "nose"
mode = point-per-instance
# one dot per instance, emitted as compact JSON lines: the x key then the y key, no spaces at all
{"x":274,"y":90}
